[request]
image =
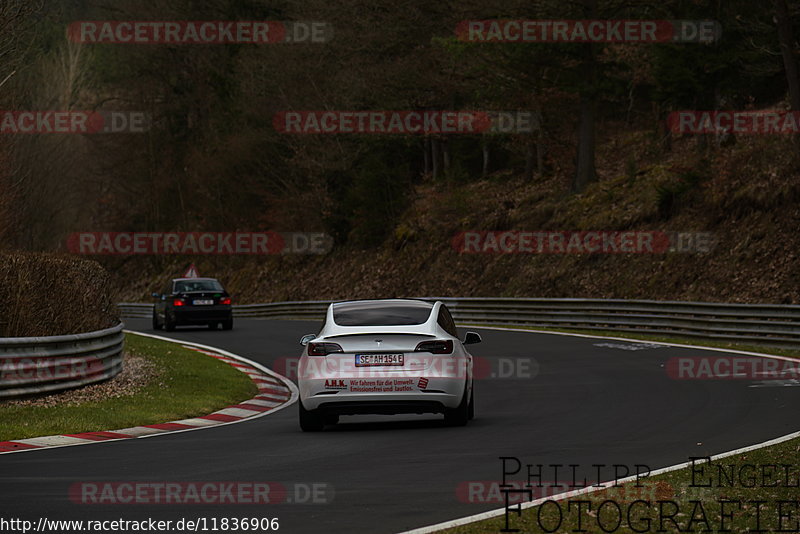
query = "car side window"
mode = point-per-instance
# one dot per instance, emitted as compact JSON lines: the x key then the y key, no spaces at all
{"x":445,"y":320}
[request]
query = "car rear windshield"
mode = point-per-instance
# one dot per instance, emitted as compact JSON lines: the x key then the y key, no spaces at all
{"x":186,"y":286}
{"x":375,"y":314}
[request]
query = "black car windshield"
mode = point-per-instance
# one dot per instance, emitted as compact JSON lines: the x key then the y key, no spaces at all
{"x":187,"y":286}
{"x":381,"y":314}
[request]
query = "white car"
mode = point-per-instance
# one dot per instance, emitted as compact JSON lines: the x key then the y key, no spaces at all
{"x":390,"y":356}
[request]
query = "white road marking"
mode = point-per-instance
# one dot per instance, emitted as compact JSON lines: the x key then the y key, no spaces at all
{"x":49,"y":441}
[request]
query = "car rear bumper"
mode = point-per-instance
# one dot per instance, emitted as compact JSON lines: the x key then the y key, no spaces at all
{"x":193,"y":315}
{"x":381,"y":407}
{"x":434,"y":399}
{"x":334,"y":384}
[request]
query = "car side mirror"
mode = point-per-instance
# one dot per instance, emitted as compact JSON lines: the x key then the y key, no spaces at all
{"x":307,"y":338}
{"x":155,"y":295}
{"x":471,"y":338}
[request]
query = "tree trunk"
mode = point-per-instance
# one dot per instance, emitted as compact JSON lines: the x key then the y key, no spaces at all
{"x":540,"y":156}
{"x":529,"y":160}
{"x":787,"y":43}
{"x":445,"y":156}
{"x":540,"y":141}
{"x":485,"y":168}
{"x":585,"y":172}
{"x":435,"y":157}
{"x":426,"y":155}
{"x":662,"y":131}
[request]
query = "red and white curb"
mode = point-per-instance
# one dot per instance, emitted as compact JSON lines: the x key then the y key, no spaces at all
{"x":275,"y":392}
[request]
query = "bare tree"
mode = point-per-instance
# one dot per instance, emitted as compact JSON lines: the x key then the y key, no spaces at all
{"x":15,"y":28}
{"x":787,"y":43}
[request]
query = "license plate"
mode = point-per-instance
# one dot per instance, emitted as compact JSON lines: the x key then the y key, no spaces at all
{"x":202,"y":302}
{"x":367,"y":360}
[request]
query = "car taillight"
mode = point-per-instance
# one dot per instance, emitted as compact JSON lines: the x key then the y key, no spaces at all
{"x":225,"y":300}
{"x":440,"y":346}
{"x":323,"y":349}
{"x":178,"y":302}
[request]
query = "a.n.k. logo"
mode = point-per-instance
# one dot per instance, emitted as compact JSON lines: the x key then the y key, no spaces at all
{"x":335,"y":384}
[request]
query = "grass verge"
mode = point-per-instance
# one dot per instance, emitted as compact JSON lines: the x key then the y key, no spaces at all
{"x":748,"y":492}
{"x":188,"y":384}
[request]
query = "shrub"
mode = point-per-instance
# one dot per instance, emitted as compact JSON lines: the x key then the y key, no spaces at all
{"x":49,"y":294}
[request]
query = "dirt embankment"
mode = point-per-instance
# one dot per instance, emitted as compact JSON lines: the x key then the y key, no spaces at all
{"x":747,"y":195}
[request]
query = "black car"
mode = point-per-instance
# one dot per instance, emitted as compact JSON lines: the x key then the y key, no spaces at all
{"x":193,"y":301}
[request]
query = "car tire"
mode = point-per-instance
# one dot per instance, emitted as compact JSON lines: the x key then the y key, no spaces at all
{"x":156,"y":324}
{"x":212,"y":325}
{"x":459,"y":415}
{"x":310,"y":420}
{"x":169,"y":323}
{"x":471,"y":408}
{"x":331,"y":419}
{"x":227,"y":324}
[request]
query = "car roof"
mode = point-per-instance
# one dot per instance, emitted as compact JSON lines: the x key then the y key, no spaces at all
{"x":184,"y":279}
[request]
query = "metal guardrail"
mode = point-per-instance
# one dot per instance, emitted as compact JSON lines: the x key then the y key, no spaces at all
{"x":310,"y":310}
{"x":30,"y":365}
{"x":764,"y":324}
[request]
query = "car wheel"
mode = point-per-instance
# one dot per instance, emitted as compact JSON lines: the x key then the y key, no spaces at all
{"x":460,"y":415}
{"x":169,"y":322}
{"x":331,"y":419}
{"x":310,"y":421}
{"x":471,"y":408}
{"x":212,"y":326}
{"x":156,"y":324}
{"x":227,"y":324}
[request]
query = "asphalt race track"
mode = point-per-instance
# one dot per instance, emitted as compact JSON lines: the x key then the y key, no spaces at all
{"x":579,"y":404}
